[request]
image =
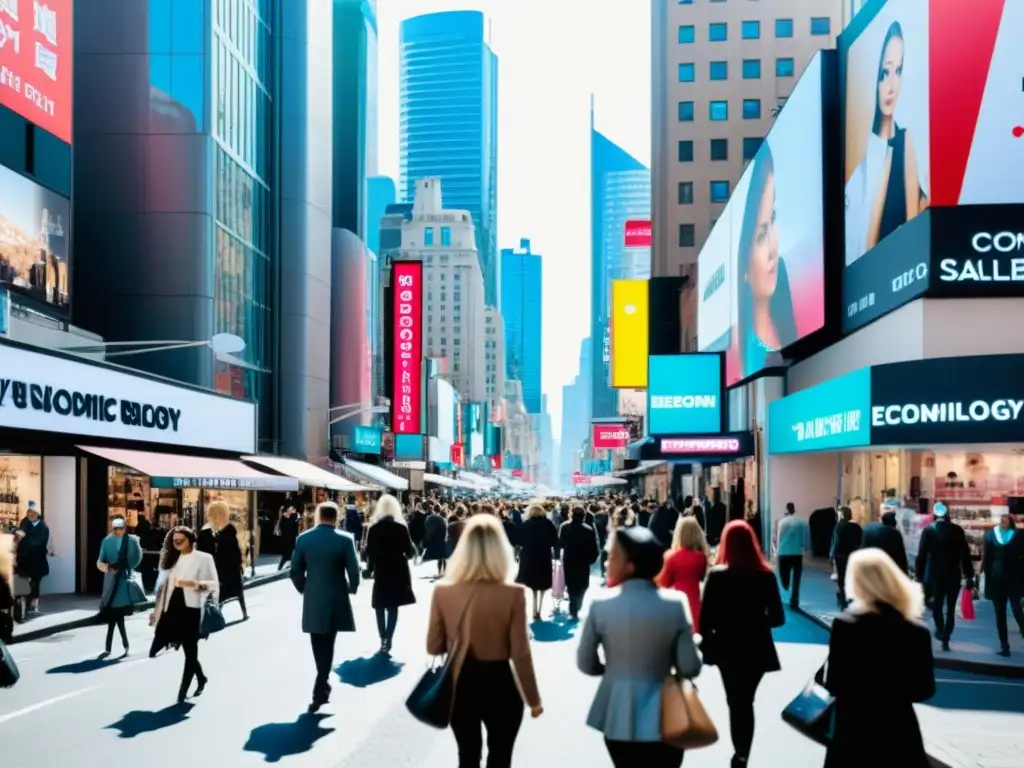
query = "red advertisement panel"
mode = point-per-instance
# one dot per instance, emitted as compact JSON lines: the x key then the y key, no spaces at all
{"x":456,"y":454}
{"x":496,"y":462}
{"x":579,"y":478}
{"x":407,"y":284}
{"x":517,"y":473}
{"x":36,"y":62}
{"x":609,"y":436}
{"x":638,"y":233}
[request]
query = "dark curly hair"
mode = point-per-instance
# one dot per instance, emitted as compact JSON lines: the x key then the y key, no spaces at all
{"x":169,"y":553}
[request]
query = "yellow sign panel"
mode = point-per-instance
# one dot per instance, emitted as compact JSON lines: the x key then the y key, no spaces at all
{"x":630,"y":310}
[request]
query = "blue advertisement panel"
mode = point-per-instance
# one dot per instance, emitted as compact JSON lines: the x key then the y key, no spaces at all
{"x":684,"y":394}
{"x":409,"y":447}
{"x":367,"y":439}
{"x":834,"y":414}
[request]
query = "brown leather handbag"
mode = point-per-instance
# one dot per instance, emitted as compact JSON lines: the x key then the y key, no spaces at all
{"x":685,"y":723}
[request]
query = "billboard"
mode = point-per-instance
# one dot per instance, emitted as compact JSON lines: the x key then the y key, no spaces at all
{"x":609,"y":436}
{"x":762,"y":270}
{"x":629,"y":328}
{"x":637,"y":233}
{"x":684,"y":394}
{"x":36,"y":51}
{"x":34,"y":239}
{"x":367,"y":439}
{"x":407,"y":284}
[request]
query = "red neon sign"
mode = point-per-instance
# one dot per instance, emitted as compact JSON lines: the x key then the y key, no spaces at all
{"x":638,"y":233}
{"x":700,"y":445}
{"x":407,"y":284}
{"x":609,"y":436}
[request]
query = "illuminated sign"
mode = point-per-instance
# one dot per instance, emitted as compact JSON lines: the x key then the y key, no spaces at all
{"x":407,"y":282}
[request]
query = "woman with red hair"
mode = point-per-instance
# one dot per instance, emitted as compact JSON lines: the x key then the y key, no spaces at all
{"x":740,"y":608}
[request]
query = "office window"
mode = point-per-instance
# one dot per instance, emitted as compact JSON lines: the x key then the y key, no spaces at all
{"x":719,"y":191}
{"x":686,"y":34}
{"x":428,"y":236}
{"x":685,"y":193}
{"x":718,"y":32}
{"x":750,"y":30}
{"x":783,"y":27}
{"x":446,"y":239}
{"x":685,"y":151}
{"x":821,"y":25}
{"x":718,"y":110}
{"x":687,"y":237}
{"x":784,"y":67}
{"x":750,"y":146}
{"x":685,"y":111}
{"x":719,"y":149}
{"x":751,"y":109}
{"x":686,"y":73}
{"x":751,"y":69}
{"x":719,"y":70}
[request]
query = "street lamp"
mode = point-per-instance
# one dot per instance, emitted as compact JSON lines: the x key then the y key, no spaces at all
{"x":355,"y":409}
{"x":225,"y":347}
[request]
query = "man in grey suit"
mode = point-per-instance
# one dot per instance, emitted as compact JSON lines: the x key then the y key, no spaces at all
{"x":325,"y":570}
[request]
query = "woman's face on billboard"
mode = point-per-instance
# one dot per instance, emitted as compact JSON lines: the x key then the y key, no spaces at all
{"x":890,"y":76}
{"x":763,"y":264}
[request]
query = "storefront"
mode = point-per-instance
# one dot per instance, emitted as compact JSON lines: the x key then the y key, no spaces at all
{"x":942,"y":429}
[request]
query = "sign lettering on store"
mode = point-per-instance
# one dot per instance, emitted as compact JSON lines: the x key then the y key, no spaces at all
{"x":840,"y":423}
{"x":408,"y":347}
{"x":710,"y":445}
{"x":939,"y":413}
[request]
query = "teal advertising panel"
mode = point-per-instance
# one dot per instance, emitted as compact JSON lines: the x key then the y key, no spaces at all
{"x":831,"y":415}
{"x":367,"y":439}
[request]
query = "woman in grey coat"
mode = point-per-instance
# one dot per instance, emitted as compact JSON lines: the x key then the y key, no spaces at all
{"x":645,"y":633}
{"x":120,"y":555}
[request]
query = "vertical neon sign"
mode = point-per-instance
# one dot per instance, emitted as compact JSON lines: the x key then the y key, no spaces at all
{"x":407,"y":284}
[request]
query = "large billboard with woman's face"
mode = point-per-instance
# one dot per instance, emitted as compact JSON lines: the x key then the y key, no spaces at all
{"x":761,"y":272}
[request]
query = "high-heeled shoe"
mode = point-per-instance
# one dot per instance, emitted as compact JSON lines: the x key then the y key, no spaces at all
{"x":182,"y":694}
{"x":201,"y":687}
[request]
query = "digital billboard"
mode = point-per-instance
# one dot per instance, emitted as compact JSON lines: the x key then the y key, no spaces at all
{"x":407,"y":284}
{"x":34,"y":239}
{"x":629,"y":328}
{"x":609,"y":436}
{"x":684,"y":394}
{"x":637,"y":233}
{"x":761,"y":272}
{"x":36,"y":50}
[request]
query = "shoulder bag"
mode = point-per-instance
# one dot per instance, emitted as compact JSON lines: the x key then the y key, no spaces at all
{"x":136,"y":594}
{"x":431,"y":700}
{"x":213,"y":618}
{"x":812,"y":711}
{"x":685,"y":724}
{"x":9,"y":674}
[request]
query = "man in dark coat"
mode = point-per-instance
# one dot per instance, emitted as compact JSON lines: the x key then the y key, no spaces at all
{"x":323,"y":557}
{"x":943,"y":556}
{"x":577,"y":546}
{"x":663,"y":523}
{"x":846,"y":539}
{"x":886,"y":536}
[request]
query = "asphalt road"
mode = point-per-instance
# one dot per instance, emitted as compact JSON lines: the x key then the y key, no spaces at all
{"x":69,"y":706}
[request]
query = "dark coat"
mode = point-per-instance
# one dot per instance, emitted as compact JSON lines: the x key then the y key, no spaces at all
{"x":115,"y":596}
{"x":577,"y":544}
{"x":878,"y":690}
{"x":1004,"y":566}
{"x":416,"y":528}
{"x":455,"y":528}
{"x":537,"y":538}
{"x":228,"y":559}
{"x":847,"y":538}
{"x":888,"y":539}
{"x":388,"y":551}
{"x":663,"y":524}
{"x":943,"y":555}
{"x":32,"y":562}
{"x":435,"y":535}
{"x":325,"y":570}
{"x":740,"y":608}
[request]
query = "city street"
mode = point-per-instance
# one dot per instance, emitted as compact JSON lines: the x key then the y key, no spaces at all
{"x":260,"y":674}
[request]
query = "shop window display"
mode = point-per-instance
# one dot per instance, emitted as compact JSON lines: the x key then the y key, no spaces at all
{"x":21,"y":481}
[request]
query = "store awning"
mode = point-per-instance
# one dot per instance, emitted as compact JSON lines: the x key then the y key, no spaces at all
{"x":600,"y":481}
{"x":169,"y":470}
{"x":448,"y":482}
{"x":378,"y":475}
{"x":641,"y":469}
{"x":307,"y":474}
{"x":480,"y":481}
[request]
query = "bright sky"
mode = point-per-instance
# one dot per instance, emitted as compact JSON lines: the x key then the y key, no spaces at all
{"x":552,"y":54}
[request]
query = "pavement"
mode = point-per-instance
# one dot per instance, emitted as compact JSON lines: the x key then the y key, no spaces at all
{"x":973,"y":647}
{"x":252,"y":713}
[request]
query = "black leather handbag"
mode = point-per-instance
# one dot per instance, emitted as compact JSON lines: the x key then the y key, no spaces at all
{"x":213,"y":619}
{"x":9,"y":674}
{"x":812,"y":712}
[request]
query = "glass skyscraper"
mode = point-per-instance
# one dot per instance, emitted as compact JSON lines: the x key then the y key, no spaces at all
{"x":522,"y":313}
{"x":448,"y":84}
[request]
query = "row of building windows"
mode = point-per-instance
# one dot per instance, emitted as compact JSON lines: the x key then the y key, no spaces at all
{"x":785,"y":66}
{"x":718,"y":32}
{"x":719,"y":110}
{"x":446,"y":236}
{"x":719,"y":192}
{"x":719,"y":149}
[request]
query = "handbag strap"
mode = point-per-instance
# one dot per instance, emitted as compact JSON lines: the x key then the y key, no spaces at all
{"x":462,"y":618}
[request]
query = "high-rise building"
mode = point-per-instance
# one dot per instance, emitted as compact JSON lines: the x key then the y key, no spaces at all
{"x":575,"y":414}
{"x":448,"y":86}
{"x":494,"y":356}
{"x":453,"y":311}
{"x":380,"y":193}
{"x":719,"y":74}
{"x":541,"y":423}
{"x":522,"y":310}
{"x":187,"y":218}
{"x":620,"y":190}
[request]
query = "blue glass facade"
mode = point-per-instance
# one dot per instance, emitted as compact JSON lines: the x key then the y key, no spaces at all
{"x":380,"y":193}
{"x":522,"y":314}
{"x":448,"y":122}
{"x":620,"y":190}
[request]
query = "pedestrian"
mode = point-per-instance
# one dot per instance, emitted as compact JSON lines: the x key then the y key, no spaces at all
{"x":753,"y":518}
{"x":479,"y":617}
{"x":846,"y":539}
{"x":577,"y":544}
{"x":1002,"y":563}
{"x":227,"y":554}
{"x":644,"y":633}
{"x":435,"y":538}
{"x":287,"y":532}
{"x":120,"y":555}
{"x":188,"y":579}
{"x":884,"y":535}
{"x":792,"y":542}
{"x":741,"y":605}
{"x":34,"y":549}
{"x":325,"y":571}
{"x":6,"y":588}
{"x":456,"y":524}
{"x":874,"y":721}
{"x":538,"y":539}
{"x":943,"y":557}
{"x":686,"y":564}
{"x":389,"y":548}
{"x":353,"y":520}
{"x":663,"y":523}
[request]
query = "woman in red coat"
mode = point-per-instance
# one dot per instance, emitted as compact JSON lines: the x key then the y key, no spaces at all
{"x":686,"y":564}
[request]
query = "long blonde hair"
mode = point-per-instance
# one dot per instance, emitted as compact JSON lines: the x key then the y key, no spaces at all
{"x":218,"y":514}
{"x":689,"y":535}
{"x":482,"y":554}
{"x":7,"y":557}
{"x":872,"y":578}
{"x":388,"y":506}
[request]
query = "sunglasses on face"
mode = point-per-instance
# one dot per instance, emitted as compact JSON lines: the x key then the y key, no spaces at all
{"x":179,"y":542}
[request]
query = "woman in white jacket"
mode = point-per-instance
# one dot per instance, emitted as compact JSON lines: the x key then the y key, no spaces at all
{"x":188,"y":578}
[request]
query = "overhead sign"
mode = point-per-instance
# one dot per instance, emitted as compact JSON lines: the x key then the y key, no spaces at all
{"x":629,"y":334}
{"x":609,"y":436}
{"x":367,"y":439}
{"x":690,"y":445}
{"x":638,"y":233}
{"x":407,"y":284}
{"x":49,"y":393}
{"x":685,"y":394}
{"x":457,"y":454}
{"x":580,"y":479}
{"x":835,"y":414}
{"x":978,"y":251}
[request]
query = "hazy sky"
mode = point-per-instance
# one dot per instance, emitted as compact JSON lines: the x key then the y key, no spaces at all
{"x":552,"y":54}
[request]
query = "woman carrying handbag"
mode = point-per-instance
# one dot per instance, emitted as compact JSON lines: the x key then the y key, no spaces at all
{"x":120,"y":554}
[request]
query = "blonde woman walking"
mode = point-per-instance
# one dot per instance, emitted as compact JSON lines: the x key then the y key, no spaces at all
{"x":538,"y":541}
{"x":219,"y":538}
{"x":389,"y":549}
{"x":686,"y":564}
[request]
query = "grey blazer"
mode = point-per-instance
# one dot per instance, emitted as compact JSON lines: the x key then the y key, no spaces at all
{"x":325,"y":570}
{"x":645,"y":633}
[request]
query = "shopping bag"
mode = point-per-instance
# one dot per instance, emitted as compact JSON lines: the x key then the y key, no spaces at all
{"x":557,"y":580}
{"x":966,"y":605}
